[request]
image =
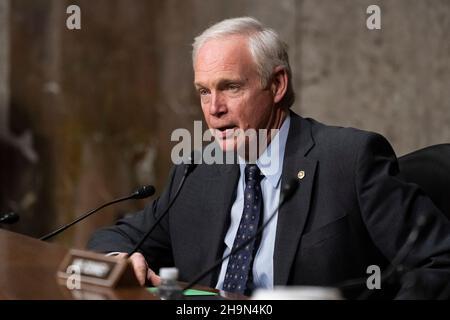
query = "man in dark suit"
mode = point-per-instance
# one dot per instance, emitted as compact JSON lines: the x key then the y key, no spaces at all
{"x":349,"y":212}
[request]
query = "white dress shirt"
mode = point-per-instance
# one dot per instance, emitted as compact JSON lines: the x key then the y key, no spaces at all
{"x":270,"y":187}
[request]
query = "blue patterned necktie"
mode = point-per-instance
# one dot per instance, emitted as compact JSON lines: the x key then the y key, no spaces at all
{"x":239,"y":269}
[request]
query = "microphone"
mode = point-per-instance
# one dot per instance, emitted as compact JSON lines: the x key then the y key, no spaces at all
{"x":141,"y":193}
{"x":9,"y":218}
{"x":189,"y":166}
{"x":396,"y":262}
{"x":286,"y":193}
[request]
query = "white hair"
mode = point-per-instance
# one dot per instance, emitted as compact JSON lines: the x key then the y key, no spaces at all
{"x":267,"y":49}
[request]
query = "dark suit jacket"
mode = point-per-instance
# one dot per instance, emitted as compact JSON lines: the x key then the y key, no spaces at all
{"x":350,"y":211}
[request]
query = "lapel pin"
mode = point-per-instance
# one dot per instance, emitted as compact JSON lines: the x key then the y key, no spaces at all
{"x":301,"y":174}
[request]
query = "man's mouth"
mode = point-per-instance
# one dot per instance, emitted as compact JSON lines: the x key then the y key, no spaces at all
{"x":225,"y":132}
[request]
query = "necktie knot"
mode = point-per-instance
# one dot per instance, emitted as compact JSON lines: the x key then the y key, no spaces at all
{"x":252,"y":174}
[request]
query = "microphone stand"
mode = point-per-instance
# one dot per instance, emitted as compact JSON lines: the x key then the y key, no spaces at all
{"x":187,"y":170}
{"x":141,"y":193}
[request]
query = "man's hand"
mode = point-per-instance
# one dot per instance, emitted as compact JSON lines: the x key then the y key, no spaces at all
{"x":141,"y":269}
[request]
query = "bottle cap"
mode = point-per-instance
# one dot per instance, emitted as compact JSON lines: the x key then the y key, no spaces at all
{"x":168,"y":273}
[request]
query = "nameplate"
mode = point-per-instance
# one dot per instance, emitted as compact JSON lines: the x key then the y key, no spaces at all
{"x":92,"y":268}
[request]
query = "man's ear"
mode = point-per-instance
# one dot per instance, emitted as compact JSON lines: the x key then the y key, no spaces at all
{"x":279,"y":83}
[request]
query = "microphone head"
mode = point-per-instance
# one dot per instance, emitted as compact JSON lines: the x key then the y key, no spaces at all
{"x":9,"y":218}
{"x":144,"y":192}
{"x":289,"y":189}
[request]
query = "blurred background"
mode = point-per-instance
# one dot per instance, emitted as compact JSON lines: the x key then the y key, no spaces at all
{"x":86,"y":115}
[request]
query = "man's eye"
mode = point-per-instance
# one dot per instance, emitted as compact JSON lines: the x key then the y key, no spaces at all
{"x":203,"y":92}
{"x":234,"y":87}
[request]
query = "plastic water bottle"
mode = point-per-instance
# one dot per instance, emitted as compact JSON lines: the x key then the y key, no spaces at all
{"x":169,"y":289}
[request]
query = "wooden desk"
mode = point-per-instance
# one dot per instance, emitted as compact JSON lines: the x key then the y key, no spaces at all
{"x":28,"y":269}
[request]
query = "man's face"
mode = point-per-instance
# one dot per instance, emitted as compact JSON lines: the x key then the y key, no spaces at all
{"x":230,"y":90}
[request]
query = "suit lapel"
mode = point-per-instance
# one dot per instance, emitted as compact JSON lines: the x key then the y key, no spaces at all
{"x":293,"y":216}
{"x":222,"y":188}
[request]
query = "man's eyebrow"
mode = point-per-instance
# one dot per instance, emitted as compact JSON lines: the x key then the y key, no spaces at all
{"x":221,"y":82}
{"x":228,"y":81}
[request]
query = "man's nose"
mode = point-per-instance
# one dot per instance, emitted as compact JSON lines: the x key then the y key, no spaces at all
{"x":218,"y":105}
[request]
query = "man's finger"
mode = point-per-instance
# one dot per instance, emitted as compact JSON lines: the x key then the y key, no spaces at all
{"x":153,"y":277}
{"x":140,"y":267}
